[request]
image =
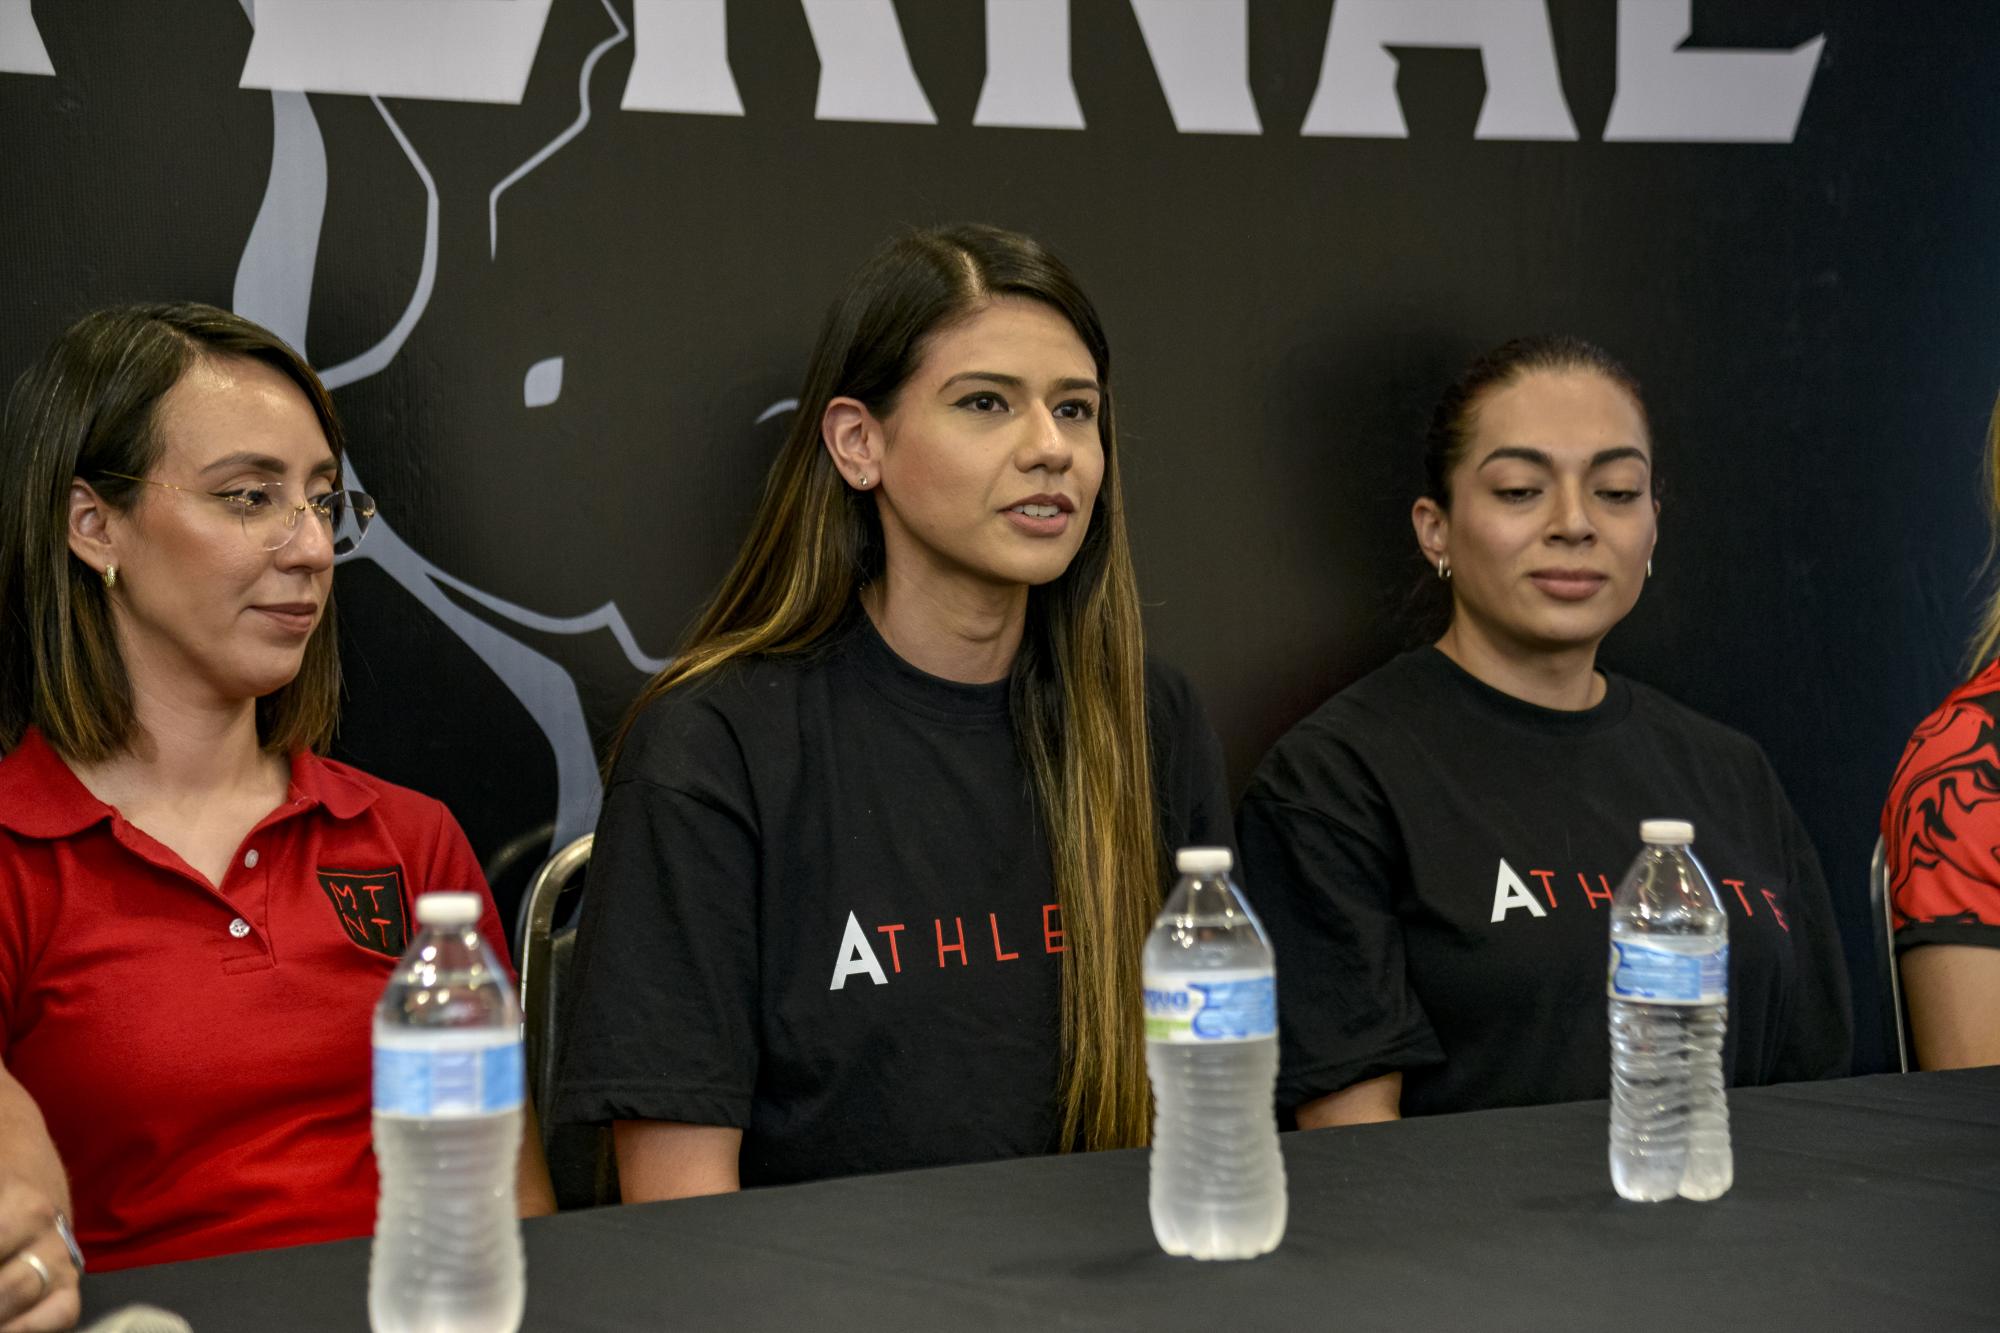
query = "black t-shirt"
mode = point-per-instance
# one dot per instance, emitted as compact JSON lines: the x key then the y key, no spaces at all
{"x":821,"y":910}
{"x":1435,"y":860}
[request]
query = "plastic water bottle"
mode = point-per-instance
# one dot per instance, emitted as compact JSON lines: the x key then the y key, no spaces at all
{"x":1669,"y":989}
{"x":448,"y":1090}
{"x":1218,"y":1182}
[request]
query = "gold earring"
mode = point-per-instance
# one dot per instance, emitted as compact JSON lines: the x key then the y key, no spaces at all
{"x":862,"y":481}
{"x":1649,"y":569}
{"x":1444,"y":570}
{"x":110,"y":577}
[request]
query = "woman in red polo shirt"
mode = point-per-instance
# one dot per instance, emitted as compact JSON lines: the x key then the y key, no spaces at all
{"x":197,"y":912}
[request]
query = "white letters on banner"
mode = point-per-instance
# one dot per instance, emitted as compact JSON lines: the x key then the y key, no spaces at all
{"x":21,"y":48}
{"x":864,"y":67}
{"x":1356,"y":97}
{"x":482,"y":51}
{"x":1201,"y":53}
{"x":680,"y":59}
{"x":1027,"y":68}
{"x":1668,"y":95}
{"x":449,"y":50}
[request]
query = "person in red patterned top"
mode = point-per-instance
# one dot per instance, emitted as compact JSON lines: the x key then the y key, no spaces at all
{"x":1941,"y":838}
{"x":198,"y":913}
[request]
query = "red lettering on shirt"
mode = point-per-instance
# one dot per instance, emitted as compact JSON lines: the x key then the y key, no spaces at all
{"x":1771,"y":901}
{"x":1545,"y":876}
{"x":993,"y":918}
{"x":1052,"y":936}
{"x":1595,"y":896}
{"x":895,"y":962}
{"x":958,"y":948}
{"x":1737,"y":885}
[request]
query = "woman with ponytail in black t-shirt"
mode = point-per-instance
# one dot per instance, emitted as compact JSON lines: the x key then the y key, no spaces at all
{"x":1434,"y":850}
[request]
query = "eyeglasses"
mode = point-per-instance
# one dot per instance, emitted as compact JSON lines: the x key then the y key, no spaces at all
{"x":270,"y":515}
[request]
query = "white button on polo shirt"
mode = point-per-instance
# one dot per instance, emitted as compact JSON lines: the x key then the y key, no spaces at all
{"x":250,"y":859}
{"x":239,"y":928}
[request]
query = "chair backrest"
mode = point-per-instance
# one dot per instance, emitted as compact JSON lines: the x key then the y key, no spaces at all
{"x":579,"y":1156}
{"x":1890,"y":971}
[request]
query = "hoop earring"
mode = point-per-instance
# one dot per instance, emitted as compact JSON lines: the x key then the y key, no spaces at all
{"x":1649,"y":569}
{"x":1444,"y":570}
{"x":110,"y":577}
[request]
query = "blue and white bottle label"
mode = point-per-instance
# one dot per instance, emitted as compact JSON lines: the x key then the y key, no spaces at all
{"x":448,"y":1073}
{"x":1203,"y":1008}
{"x":1644,"y":974}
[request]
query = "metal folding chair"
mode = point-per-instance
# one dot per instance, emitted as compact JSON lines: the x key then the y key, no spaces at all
{"x":1890,"y":972}
{"x":580,"y":1157}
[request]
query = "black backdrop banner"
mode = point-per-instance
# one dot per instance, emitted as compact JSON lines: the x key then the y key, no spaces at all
{"x":562,"y":260}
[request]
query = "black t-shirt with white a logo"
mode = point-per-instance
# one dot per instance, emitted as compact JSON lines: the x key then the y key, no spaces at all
{"x":1435,"y":860}
{"x":820,"y":909}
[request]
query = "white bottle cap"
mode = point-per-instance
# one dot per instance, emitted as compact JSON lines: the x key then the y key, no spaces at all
{"x":1203,"y":860}
{"x":447,"y":909}
{"x":1667,"y":832}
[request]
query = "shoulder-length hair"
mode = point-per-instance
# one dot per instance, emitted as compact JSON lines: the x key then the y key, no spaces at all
{"x":88,"y":408}
{"x":1077,"y":688}
{"x":1986,"y":638}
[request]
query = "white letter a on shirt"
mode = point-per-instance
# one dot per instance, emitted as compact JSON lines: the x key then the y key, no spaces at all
{"x":856,"y":956}
{"x":1509,"y":892}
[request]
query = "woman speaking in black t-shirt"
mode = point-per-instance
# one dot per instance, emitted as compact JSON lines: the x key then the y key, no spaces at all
{"x":881,"y":846}
{"x":1435,"y":849}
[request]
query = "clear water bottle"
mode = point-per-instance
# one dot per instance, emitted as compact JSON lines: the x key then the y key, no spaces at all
{"x":1218,"y":1182}
{"x":1669,"y":989}
{"x":448,"y":1091}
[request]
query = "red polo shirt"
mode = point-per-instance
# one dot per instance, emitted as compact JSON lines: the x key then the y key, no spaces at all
{"x":201,"y":1053}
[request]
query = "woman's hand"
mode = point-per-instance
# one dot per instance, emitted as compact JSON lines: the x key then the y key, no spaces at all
{"x":38,"y":1282}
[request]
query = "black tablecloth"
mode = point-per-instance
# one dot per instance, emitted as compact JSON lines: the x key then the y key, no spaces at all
{"x":1863,"y":1203}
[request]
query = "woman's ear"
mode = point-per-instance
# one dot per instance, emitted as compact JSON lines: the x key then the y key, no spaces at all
{"x":90,"y":526}
{"x":1433,"y":529}
{"x":853,"y":438}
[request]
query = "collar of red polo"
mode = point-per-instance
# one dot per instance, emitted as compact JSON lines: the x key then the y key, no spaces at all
{"x":41,"y":798}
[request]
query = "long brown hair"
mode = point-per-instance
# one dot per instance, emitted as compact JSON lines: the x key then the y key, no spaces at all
{"x":89,"y":408}
{"x":1987,"y":637}
{"x":1077,"y":688}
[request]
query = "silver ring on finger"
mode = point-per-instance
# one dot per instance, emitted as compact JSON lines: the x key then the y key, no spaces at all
{"x":34,"y":1261}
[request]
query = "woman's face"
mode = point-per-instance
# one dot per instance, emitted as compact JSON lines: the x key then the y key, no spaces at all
{"x":202,"y":610}
{"x":990,"y":459}
{"x":1552,"y":518}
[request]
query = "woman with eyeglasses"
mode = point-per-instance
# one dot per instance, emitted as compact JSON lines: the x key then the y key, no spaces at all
{"x":1435,"y":850}
{"x":197,"y":911}
{"x":881,"y":847}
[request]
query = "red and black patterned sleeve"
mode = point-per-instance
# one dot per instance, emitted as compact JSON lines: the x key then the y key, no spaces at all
{"x":1941,"y":824}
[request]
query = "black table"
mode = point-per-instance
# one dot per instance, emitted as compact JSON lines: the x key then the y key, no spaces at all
{"x":1864,"y":1203}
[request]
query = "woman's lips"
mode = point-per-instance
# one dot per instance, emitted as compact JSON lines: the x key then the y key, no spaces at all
{"x":1568,"y":585}
{"x":296,"y":617}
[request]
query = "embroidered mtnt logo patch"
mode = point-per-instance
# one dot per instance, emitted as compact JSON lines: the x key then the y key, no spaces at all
{"x":369,"y":904}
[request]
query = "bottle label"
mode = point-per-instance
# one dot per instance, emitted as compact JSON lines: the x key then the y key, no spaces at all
{"x":1193,"y":1008}
{"x":448,"y":1073}
{"x":1642,"y":974}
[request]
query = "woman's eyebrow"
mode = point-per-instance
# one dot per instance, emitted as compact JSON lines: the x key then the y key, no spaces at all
{"x":1521,"y":451}
{"x":1540,"y":458}
{"x":243,"y":459}
{"x":1067,"y":385}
